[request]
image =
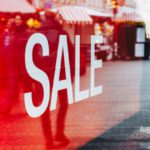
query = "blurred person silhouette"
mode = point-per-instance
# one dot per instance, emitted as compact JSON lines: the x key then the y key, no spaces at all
{"x":52,"y":30}
{"x":13,"y":49}
{"x":2,"y":63}
{"x":6,"y":49}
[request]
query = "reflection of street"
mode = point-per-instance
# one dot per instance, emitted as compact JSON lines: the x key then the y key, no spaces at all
{"x":134,"y":132}
{"x":85,"y":120}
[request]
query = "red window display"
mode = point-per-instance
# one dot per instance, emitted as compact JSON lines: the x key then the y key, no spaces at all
{"x":56,"y":92}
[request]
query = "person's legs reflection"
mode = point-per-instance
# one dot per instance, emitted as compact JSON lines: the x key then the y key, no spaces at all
{"x":45,"y":118}
{"x":60,"y":137}
{"x":61,"y":117}
{"x":47,"y":129}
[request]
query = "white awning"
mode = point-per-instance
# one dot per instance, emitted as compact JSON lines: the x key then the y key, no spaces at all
{"x":74,"y":15}
{"x":16,"y":6}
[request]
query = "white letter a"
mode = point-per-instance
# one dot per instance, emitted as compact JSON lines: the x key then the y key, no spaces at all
{"x":63,"y":84}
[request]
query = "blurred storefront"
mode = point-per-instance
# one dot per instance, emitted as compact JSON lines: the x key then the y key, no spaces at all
{"x":103,"y":26}
{"x":76,"y":21}
{"x":74,"y":16}
{"x":85,"y":22}
{"x":51,"y":26}
{"x":130,"y":34}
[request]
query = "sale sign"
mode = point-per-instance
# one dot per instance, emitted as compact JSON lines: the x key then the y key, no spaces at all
{"x":71,"y":79}
{"x":41,"y":77}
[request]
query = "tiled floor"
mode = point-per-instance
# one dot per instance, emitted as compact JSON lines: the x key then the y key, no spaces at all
{"x":126,"y":87}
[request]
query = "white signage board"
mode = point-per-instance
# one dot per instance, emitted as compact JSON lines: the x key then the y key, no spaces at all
{"x":139,"y":50}
{"x":140,"y":35}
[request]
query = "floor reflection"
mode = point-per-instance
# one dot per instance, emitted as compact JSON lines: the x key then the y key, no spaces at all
{"x":133,"y":133}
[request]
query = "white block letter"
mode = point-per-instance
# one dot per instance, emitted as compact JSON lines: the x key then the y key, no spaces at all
{"x":37,"y":75}
{"x":79,"y":95}
{"x":63,"y":84}
{"x":95,"y":64}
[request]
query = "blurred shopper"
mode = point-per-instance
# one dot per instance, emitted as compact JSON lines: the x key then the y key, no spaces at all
{"x":52,"y":30}
{"x":14,"y":43}
{"x":2,"y":64}
{"x":13,"y":52}
{"x":6,"y":49}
